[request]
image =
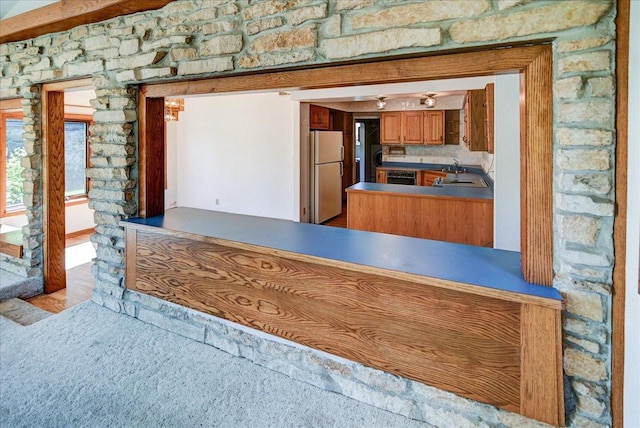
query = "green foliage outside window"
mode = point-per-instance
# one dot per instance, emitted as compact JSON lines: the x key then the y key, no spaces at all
{"x":15,"y":152}
{"x":15,"y":189}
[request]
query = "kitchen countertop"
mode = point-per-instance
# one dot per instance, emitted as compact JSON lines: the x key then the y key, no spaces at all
{"x":428,"y":166}
{"x":411,"y":166}
{"x":484,"y":267}
{"x":447,"y":191}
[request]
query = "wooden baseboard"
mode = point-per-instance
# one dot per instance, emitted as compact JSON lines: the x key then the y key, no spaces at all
{"x":79,"y":233}
{"x":11,"y":243}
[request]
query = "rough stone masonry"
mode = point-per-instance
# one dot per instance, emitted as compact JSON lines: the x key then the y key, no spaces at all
{"x":204,"y":38}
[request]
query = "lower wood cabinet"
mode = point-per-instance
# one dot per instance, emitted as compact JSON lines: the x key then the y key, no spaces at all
{"x":427,"y":178}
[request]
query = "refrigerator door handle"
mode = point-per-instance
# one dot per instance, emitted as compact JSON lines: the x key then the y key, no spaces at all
{"x":341,"y":169}
{"x":341,"y":152}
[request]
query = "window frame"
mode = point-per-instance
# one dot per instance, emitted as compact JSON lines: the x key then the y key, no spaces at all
{"x":70,"y":200}
{"x":88,"y":120}
{"x":4,"y":115}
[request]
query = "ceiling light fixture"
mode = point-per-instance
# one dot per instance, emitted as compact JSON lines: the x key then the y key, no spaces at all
{"x":172,"y":107}
{"x":430,"y":101}
{"x":380,"y":105}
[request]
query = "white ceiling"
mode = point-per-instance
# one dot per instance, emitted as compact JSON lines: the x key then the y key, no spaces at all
{"x":441,"y":88}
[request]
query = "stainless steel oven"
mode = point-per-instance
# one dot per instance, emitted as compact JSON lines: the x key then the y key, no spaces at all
{"x":401,"y":177}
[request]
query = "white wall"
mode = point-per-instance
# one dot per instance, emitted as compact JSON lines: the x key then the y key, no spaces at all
{"x":506,"y":206}
{"x":171,"y":191}
{"x":235,"y":153}
{"x":632,"y":299}
{"x":77,"y":217}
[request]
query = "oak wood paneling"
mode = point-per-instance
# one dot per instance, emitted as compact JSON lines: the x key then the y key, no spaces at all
{"x":151,"y":159}
{"x":542,"y":395}
{"x":461,"y":220}
{"x":436,"y":66}
{"x":66,"y":14}
{"x":130,"y":248}
{"x":536,"y":160}
{"x":53,"y":191}
{"x":463,"y":343}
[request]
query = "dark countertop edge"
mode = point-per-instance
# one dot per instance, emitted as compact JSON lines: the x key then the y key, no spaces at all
{"x":494,"y":269}
{"x":444,"y":192}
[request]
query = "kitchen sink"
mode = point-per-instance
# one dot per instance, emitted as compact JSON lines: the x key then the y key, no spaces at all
{"x":462,"y":182}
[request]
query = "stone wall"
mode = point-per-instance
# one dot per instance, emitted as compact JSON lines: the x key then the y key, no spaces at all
{"x":205,"y":38}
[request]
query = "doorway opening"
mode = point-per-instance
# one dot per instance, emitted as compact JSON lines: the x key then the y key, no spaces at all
{"x":68,"y":222}
{"x":368,"y":148}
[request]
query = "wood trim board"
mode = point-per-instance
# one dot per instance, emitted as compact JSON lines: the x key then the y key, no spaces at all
{"x":11,"y":243}
{"x":53,"y":209}
{"x":620,"y":218}
{"x":66,"y":14}
{"x":533,"y":63}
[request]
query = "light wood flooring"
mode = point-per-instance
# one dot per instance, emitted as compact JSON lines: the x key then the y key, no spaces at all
{"x":79,"y":285}
{"x":339,"y":220}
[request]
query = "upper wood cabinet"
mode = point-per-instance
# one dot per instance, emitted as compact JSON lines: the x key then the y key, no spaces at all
{"x":474,"y":112}
{"x":452,"y":127}
{"x":412,"y":127}
{"x":434,"y":127}
{"x":318,"y":117}
{"x":391,"y":128}
{"x":488,"y":116}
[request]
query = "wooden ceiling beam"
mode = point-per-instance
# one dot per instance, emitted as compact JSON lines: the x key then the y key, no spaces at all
{"x":67,"y":14}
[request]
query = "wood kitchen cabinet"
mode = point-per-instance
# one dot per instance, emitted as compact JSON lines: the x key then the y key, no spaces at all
{"x":488,"y":116}
{"x":343,"y":121}
{"x":474,"y":112}
{"x":381,"y":176}
{"x":427,"y":177}
{"x":412,"y":127}
{"x":451,"y":127}
{"x":391,"y":128}
{"x":318,"y":117}
{"x":434,"y":127}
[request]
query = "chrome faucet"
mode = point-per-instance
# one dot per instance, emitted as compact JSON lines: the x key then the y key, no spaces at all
{"x":456,"y":163}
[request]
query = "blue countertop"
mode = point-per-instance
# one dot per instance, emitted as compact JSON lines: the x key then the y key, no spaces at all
{"x":448,"y":191}
{"x":486,"y":267}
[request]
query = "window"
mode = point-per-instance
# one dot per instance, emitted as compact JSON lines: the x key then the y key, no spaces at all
{"x":11,"y":153}
{"x":12,"y":150}
{"x":76,"y":134}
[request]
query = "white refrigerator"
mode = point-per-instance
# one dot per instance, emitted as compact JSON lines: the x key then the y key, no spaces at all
{"x":327,"y":154}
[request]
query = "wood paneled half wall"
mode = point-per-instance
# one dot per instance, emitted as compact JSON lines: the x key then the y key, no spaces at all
{"x":493,"y":346}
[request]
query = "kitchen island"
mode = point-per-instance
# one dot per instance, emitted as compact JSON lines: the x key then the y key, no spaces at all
{"x":453,"y":213}
{"x":456,"y":317}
